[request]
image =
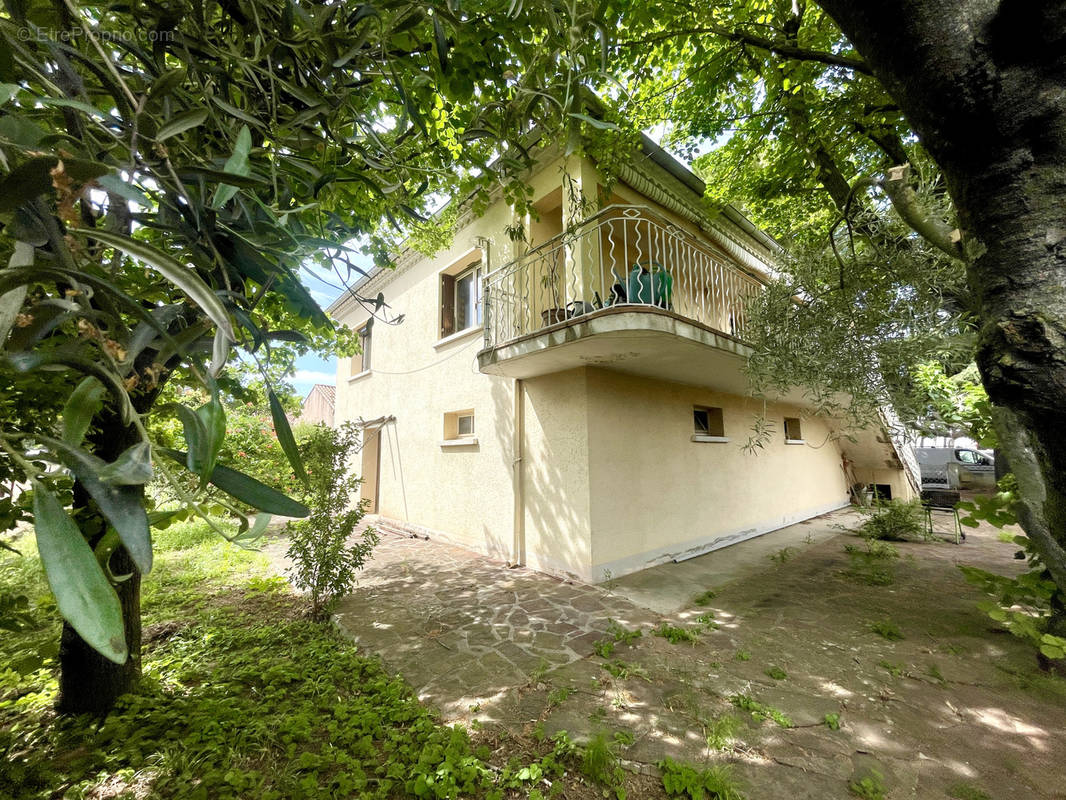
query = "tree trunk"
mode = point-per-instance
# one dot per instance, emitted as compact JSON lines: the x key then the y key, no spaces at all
{"x":88,"y":682}
{"x":984,"y":86}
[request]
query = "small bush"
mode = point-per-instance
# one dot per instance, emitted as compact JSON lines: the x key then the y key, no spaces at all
{"x":870,"y":787}
{"x":324,"y":562}
{"x":896,"y":521}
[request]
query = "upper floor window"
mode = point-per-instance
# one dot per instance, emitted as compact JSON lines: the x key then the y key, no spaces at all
{"x":461,"y":300}
{"x":361,"y":360}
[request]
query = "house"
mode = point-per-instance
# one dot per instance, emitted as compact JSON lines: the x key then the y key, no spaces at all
{"x":576,"y":402}
{"x":319,"y":405}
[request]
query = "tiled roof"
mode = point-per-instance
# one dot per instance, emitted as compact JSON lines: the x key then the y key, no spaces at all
{"x":328,"y":391}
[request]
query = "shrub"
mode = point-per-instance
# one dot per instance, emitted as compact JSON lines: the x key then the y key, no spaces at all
{"x":324,"y":561}
{"x":895,"y":521}
{"x":683,"y":780}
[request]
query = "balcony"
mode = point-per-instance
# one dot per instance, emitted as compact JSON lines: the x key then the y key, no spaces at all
{"x":627,"y":289}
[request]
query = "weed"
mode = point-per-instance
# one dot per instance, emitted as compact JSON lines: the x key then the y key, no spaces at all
{"x":721,"y":732}
{"x":870,"y":787}
{"x":608,"y":583}
{"x":782,"y":555}
{"x":559,"y":695}
{"x":964,"y":791}
{"x":1007,"y":537}
{"x":538,"y":673}
{"x":760,"y":711}
{"x":933,"y":671}
{"x":887,"y":629}
{"x":676,"y":635}
{"x":895,"y":670}
{"x":603,"y":648}
{"x":621,"y":634}
{"x":599,"y":763}
{"x":743,"y":655}
{"x":683,"y":780}
{"x":705,"y":598}
{"x":624,"y":671}
{"x":624,"y":738}
{"x":707,"y":620}
{"x":832,"y":721}
{"x":777,"y":673}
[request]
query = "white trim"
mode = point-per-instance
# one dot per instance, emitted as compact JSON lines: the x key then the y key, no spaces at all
{"x":701,"y":437}
{"x":462,"y":441}
{"x":795,"y":441}
{"x":365,"y":373}
{"x":455,"y":337}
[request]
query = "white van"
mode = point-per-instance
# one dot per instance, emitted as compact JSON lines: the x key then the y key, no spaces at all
{"x":956,"y":468}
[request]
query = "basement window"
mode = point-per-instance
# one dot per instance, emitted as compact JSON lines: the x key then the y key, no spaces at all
{"x":459,"y":429}
{"x":708,"y":424}
{"x":793,"y":431}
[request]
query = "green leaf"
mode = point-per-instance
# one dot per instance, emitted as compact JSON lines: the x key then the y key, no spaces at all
{"x":219,"y":353}
{"x":285,"y":437}
{"x":7,"y":91}
{"x":115,"y":185}
{"x":132,"y":468}
{"x":601,"y":124}
{"x":21,"y":131}
{"x":181,"y":123}
{"x":166,"y":83}
{"x":123,"y":506}
{"x":84,"y":597}
{"x":28,"y":180}
{"x":82,"y":170}
{"x":236,"y":164}
{"x":83,"y":404}
{"x":249,"y":490}
{"x":181,"y":276}
{"x":77,"y":105}
{"x":1052,"y":651}
{"x":195,"y":437}
{"x":213,"y":416}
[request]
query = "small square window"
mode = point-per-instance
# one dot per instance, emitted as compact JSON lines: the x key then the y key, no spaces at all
{"x":465,"y":425}
{"x":793,"y":430}
{"x":459,"y":427}
{"x":707,"y":421}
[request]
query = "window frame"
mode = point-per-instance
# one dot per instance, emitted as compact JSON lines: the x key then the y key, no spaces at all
{"x":474,"y":271}
{"x":794,"y":439}
{"x":715,"y":432}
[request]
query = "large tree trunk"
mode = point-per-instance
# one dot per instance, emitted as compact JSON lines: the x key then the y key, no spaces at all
{"x":88,"y":682}
{"x":983,"y":84}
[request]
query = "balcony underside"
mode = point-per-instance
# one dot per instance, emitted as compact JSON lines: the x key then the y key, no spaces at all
{"x":645,"y":341}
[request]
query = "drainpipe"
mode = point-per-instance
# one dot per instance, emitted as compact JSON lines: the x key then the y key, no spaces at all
{"x":518,"y":549}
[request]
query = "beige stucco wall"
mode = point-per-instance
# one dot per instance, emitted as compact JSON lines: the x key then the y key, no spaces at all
{"x":656,"y":494}
{"x":609,"y":479}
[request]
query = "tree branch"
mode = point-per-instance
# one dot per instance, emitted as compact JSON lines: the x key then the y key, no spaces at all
{"x":761,"y":42}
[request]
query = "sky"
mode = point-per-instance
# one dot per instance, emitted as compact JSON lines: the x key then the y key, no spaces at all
{"x":311,"y":369}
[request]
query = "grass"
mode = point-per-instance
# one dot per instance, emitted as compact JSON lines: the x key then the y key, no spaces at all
{"x":687,"y":781}
{"x":704,"y":598}
{"x":241,"y":696}
{"x":777,"y":673}
{"x":870,"y":787}
{"x":964,"y":791}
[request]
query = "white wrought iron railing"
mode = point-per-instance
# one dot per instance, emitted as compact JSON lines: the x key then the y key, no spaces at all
{"x":622,"y":256}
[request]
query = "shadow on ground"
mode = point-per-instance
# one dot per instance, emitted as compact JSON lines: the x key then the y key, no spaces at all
{"x":783,"y":631}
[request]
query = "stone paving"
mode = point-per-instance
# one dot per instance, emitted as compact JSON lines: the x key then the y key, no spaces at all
{"x":463,"y":629}
{"x":955,"y":703}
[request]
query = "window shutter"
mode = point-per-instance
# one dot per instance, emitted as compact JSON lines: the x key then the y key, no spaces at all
{"x":447,"y":311}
